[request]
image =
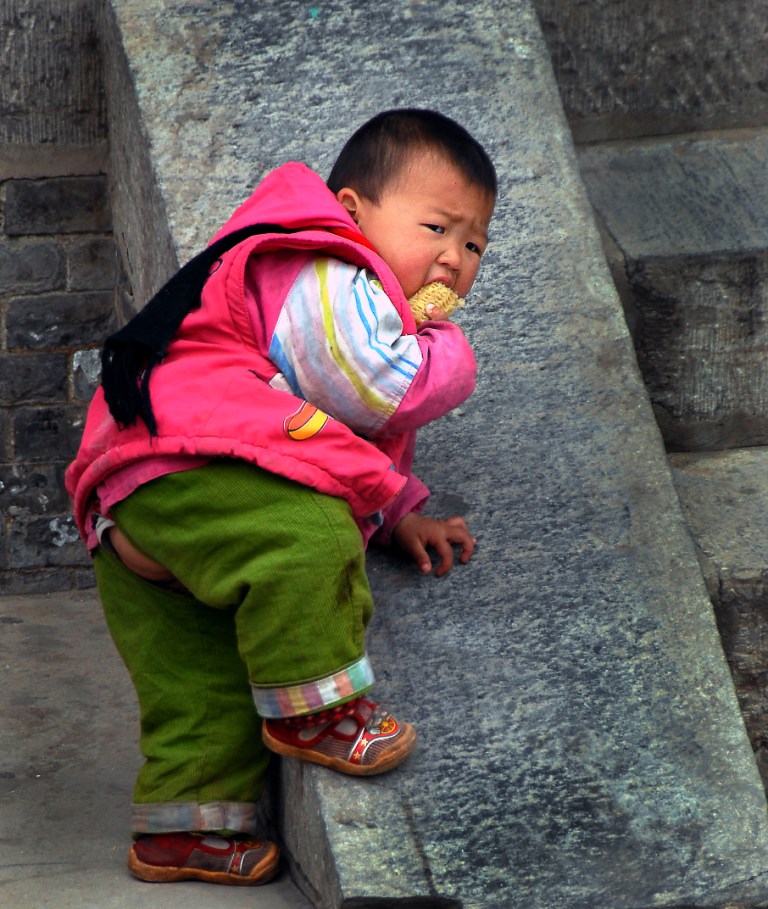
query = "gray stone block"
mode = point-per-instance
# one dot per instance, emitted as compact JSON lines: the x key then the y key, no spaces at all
{"x":632,"y":70}
{"x":36,"y":378}
{"x":92,"y":264}
{"x":32,"y":162}
{"x":85,"y":579}
{"x":46,"y":434}
{"x":725,"y":502}
{"x":137,"y":199}
{"x":31,"y":267}
{"x":59,"y":205}
{"x":33,"y":489}
{"x":34,"y":581}
{"x":688,"y":220}
{"x":50,"y":76}
{"x":46,"y":542}
{"x":581,"y":742}
{"x":59,"y":320}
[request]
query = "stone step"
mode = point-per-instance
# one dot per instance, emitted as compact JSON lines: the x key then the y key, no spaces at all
{"x":724,"y":496}
{"x":581,"y":742}
{"x":685,"y":223}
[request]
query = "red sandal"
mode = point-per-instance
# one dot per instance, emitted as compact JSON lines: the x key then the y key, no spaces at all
{"x":167,"y":857}
{"x":359,"y":738}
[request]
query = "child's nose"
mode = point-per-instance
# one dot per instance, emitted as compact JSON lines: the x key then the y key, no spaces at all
{"x":451,"y":256}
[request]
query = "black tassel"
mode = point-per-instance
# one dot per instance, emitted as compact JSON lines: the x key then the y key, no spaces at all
{"x":130,"y":354}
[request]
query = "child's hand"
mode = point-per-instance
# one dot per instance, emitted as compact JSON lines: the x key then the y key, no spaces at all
{"x":434,"y":314}
{"x":415,"y":532}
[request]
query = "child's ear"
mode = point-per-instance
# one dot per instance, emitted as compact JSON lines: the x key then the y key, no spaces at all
{"x":351,"y":201}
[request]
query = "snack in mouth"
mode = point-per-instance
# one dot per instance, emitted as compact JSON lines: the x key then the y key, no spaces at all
{"x":435,"y":293}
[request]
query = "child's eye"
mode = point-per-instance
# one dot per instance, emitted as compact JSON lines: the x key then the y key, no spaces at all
{"x":473,"y":247}
{"x":436,"y":228}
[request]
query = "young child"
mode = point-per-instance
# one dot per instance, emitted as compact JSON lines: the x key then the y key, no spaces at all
{"x":254,"y":430}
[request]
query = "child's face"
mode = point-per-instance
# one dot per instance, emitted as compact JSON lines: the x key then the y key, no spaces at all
{"x":430,"y":224}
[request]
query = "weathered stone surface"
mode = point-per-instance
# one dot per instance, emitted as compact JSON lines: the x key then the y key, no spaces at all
{"x":581,"y":742}
{"x":51,"y":75}
{"x":137,"y":200}
{"x":31,"y":267}
{"x":33,"y":581}
{"x":33,"y":489}
{"x":59,"y":320}
{"x":57,"y":205}
{"x":689,"y":221}
{"x":92,"y":264}
{"x":49,"y":542}
{"x":47,"y":433}
{"x":627,"y":69}
{"x":725,"y":501}
{"x":33,"y":378}
{"x":684,"y":195}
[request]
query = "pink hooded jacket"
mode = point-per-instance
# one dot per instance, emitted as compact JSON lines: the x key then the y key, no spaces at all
{"x":211,"y":396}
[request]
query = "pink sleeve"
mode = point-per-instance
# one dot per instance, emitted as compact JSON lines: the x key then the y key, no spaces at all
{"x":413,"y":497}
{"x":445,"y":379}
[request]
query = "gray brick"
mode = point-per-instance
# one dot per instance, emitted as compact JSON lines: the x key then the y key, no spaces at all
{"x":33,"y":489}
{"x":31,"y":267}
{"x":49,"y":542}
{"x":42,"y":580}
{"x":58,"y":205}
{"x":85,"y":579}
{"x":47,"y":434}
{"x":86,"y":373}
{"x":92,"y":264}
{"x":60,"y":320}
{"x":33,"y":378}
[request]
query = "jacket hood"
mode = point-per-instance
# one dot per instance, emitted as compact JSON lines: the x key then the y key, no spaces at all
{"x":293,"y":196}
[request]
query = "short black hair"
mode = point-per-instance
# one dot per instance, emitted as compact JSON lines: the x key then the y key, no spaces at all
{"x":375,"y":153}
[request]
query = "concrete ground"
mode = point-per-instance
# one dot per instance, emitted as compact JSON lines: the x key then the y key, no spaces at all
{"x":68,"y":756}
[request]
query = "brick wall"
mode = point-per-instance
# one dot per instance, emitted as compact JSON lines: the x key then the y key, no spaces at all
{"x":57,"y":266}
{"x":56,"y":278}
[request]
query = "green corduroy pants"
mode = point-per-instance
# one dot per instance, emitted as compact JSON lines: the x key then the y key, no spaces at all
{"x":275,"y":615}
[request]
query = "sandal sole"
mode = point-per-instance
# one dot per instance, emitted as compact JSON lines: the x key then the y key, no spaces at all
{"x":388,"y":760}
{"x":264,"y":872}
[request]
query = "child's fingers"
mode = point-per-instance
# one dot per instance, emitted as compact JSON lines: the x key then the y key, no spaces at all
{"x":419,"y":554}
{"x":436,"y":313}
{"x":442,"y":545}
{"x":433,"y":314}
{"x":461,"y":536}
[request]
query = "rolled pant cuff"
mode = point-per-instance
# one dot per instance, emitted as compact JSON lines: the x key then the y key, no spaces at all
{"x":309,"y":697}
{"x":169,"y":817}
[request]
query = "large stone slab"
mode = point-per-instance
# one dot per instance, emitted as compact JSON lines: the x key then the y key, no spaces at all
{"x":581,"y":743}
{"x":724,"y":495}
{"x":52,"y":111}
{"x":686,"y":225}
{"x":627,"y":69}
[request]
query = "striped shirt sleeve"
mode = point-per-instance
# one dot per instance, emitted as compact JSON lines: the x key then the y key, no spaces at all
{"x":338,"y":343}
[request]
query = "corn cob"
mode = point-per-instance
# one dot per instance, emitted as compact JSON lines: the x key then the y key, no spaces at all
{"x":435,"y":293}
